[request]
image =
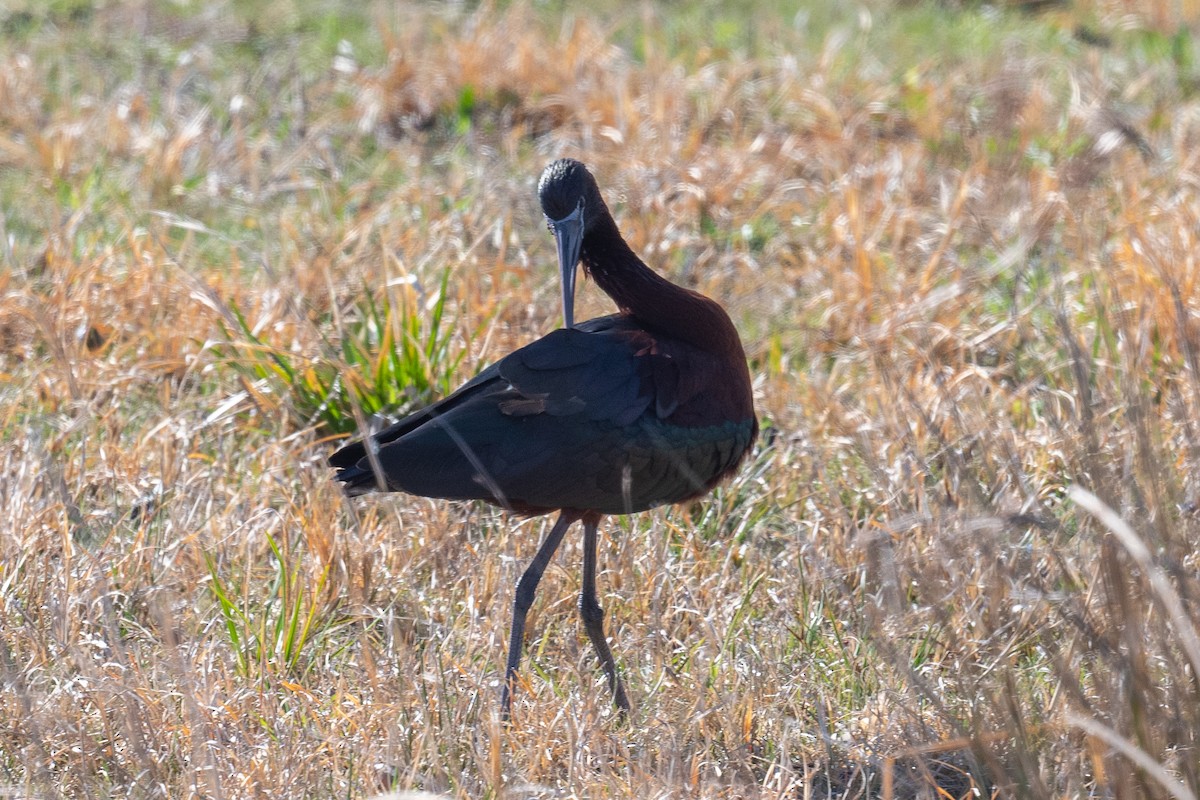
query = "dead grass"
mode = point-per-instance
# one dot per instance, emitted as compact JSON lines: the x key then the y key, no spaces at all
{"x":961,"y":248}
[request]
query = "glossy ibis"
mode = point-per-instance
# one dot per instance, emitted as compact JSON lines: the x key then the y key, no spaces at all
{"x":642,"y":408}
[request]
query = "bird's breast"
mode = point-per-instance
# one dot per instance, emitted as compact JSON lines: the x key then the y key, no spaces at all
{"x":658,"y":463}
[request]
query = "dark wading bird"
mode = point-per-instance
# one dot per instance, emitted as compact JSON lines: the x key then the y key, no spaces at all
{"x":642,"y":408}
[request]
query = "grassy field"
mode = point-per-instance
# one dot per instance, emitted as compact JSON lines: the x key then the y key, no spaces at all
{"x":960,"y":242}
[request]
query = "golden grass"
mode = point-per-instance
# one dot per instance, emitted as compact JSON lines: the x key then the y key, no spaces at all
{"x":965,"y":270}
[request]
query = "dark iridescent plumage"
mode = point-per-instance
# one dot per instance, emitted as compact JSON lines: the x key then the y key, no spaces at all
{"x":619,"y":414}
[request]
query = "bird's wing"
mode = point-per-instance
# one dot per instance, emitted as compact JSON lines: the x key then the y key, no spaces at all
{"x":546,"y":427}
{"x":606,"y":371}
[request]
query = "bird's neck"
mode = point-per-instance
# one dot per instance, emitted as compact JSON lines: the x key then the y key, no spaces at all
{"x":652,"y":299}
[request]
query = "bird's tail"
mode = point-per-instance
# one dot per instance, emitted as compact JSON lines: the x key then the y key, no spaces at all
{"x":356,"y":480}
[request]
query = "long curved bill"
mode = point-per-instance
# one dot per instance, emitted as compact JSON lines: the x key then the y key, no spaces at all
{"x":568,"y":235}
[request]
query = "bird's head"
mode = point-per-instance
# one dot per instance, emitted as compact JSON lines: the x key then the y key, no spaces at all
{"x":571,"y":202}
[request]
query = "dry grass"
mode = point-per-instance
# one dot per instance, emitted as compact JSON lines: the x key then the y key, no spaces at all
{"x":961,"y":246}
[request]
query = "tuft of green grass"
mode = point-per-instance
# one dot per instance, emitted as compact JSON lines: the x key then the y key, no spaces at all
{"x":393,"y":356}
{"x":271,"y":634}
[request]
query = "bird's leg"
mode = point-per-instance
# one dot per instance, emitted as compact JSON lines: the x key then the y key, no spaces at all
{"x":526,"y":588}
{"x":593,"y":614}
